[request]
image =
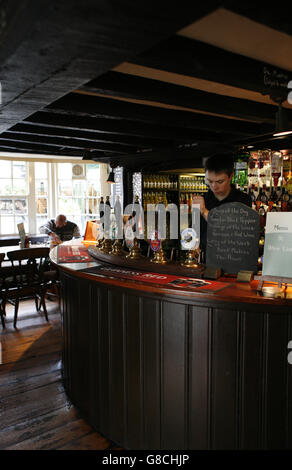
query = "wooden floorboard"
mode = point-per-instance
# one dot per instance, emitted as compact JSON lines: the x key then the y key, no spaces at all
{"x":35,"y":412}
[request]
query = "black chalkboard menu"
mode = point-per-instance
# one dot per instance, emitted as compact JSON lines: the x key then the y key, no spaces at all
{"x":233,"y":238}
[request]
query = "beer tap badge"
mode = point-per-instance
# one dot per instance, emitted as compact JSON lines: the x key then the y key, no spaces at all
{"x":155,"y":241}
{"x":189,"y":239}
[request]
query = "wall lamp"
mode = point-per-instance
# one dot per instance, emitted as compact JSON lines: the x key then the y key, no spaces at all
{"x":111,"y":176}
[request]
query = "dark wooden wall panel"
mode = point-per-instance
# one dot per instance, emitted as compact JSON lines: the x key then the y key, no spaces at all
{"x":134,"y":365}
{"x":152,"y":372}
{"x":102,"y":361}
{"x":199,"y":384}
{"x":276,"y":381}
{"x":65,"y":299}
{"x":250,"y":381}
{"x":83,"y":312}
{"x":117,"y":398}
{"x":76,"y":366}
{"x":94,"y":340}
{"x":224,"y":374}
{"x":174,"y":399}
{"x":289,"y":390}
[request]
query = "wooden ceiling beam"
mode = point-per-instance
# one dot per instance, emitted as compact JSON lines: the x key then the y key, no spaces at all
{"x":68,"y":43}
{"x":66,"y":142}
{"x":88,"y":136}
{"x":131,"y":86}
{"x":177,"y":134}
{"x":193,"y":58}
{"x":81,"y":105}
{"x":33,"y":147}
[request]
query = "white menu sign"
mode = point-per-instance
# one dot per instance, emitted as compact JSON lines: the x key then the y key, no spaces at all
{"x":278,"y":245}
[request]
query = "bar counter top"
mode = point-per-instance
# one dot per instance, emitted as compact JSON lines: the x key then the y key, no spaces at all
{"x":232,"y":291}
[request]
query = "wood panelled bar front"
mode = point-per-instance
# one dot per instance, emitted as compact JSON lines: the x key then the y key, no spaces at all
{"x":152,"y":367}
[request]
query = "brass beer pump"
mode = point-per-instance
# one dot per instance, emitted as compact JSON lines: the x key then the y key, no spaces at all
{"x":159,"y":257}
{"x":100,"y":242}
{"x":106,"y":246}
{"x":192,"y":259}
{"x":117,"y":249}
{"x":135,"y":252}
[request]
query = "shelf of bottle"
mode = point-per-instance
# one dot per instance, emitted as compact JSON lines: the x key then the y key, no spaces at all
{"x":194,"y":190}
{"x":165,"y":190}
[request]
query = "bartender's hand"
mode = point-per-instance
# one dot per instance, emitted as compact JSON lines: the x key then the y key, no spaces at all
{"x":199,"y":200}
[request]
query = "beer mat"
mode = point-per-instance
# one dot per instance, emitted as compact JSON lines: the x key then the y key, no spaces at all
{"x":167,"y":280}
{"x":72,"y":254}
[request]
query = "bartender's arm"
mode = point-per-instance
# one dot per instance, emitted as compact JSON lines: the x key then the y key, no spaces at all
{"x":201,"y":202}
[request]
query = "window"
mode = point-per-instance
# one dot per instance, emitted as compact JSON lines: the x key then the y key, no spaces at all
{"x":78,"y":195}
{"x":41,"y":193}
{"x":33,"y":192}
{"x":13,"y":196}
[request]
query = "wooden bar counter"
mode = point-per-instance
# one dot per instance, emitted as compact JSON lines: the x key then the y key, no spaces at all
{"x":155,"y":367}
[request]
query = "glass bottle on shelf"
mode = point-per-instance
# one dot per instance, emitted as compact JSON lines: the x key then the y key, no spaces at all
{"x":107,"y":201}
{"x":286,"y":169}
{"x":264,"y":197}
{"x":276,"y":167}
{"x":252,"y":172}
{"x":101,"y":207}
{"x":175,"y":183}
{"x":258,"y":201}
{"x":251,"y":192}
{"x":284,"y":199}
{"x":273,"y":201}
{"x":241,"y":169}
{"x":263,"y":215}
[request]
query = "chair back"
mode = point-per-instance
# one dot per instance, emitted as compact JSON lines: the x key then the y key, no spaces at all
{"x":2,"y":256}
{"x":29,"y":264}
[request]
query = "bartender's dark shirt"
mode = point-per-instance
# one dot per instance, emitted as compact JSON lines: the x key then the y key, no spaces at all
{"x":211,"y":201}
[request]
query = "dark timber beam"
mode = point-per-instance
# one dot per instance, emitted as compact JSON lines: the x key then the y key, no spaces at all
{"x":69,"y":42}
{"x":83,"y":105}
{"x":131,"y":86}
{"x":40,"y":148}
{"x":125,"y":127}
{"x":66,"y":142}
{"x":277,"y":16}
{"x":87,"y":136}
{"x":185,"y":56}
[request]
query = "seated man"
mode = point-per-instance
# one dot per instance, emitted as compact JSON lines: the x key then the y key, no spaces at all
{"x":60,"y":230}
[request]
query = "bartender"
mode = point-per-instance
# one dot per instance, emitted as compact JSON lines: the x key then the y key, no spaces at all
{"x":218,"y":175}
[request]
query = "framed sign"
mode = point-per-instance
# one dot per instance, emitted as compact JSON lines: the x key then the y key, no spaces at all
{"x":233,"y":238}
{"x":277,"y":259}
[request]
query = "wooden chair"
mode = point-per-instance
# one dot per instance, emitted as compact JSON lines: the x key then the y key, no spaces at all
{"x":2,"y":291}
{"x":30,"y":277}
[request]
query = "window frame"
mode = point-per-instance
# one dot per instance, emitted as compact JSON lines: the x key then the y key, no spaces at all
{"x":52,"y":179}
{"x":14,"y":197}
